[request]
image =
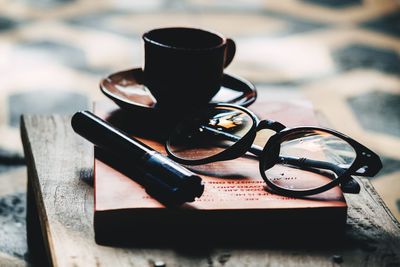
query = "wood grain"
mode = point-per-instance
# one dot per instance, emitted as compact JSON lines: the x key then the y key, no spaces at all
{"x":60,"y":172}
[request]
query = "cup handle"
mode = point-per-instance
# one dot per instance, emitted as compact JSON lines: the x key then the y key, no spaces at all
{"x":230,"y":51}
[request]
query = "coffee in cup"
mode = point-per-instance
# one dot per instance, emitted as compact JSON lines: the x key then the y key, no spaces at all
{"x":183,"y":67}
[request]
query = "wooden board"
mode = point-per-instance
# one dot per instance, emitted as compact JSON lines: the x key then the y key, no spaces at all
{"x":60,"y":176}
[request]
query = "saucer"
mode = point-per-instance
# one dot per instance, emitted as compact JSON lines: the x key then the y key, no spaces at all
{"x":128,"y":91}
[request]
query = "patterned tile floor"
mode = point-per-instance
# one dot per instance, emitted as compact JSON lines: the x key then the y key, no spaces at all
{"x":342,"y":55}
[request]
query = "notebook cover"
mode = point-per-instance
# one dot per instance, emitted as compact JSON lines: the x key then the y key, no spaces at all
{"x":234,"y":195}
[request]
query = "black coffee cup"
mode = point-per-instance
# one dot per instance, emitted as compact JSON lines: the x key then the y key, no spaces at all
{"x":184,"y":66}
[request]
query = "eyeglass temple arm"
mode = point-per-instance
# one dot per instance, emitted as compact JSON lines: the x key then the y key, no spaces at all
{"x":350,"y":186}
{"x":299,"y":162}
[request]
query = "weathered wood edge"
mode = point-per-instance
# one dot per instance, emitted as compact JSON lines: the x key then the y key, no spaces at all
{"x":37,"y":193}
{"x":374,"y":194}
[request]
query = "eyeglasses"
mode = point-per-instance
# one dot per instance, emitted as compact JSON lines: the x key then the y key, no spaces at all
{"x":294,"y":162}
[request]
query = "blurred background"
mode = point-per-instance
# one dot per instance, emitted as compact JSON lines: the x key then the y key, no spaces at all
{"x":342,"y":55}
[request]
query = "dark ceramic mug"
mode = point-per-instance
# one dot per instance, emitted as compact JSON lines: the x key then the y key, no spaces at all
{"x":184,"y":66}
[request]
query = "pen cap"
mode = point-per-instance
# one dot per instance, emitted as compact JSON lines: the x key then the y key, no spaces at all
{"x":179,"y":184}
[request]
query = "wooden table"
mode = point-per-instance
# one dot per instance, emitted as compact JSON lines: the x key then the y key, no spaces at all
{"x":60,"y":215}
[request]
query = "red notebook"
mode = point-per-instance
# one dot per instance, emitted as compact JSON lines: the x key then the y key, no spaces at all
{"x":234,"y":197}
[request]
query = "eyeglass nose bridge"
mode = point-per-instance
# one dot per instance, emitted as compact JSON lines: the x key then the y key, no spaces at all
{"x":270,"y":153}
{"x":272,"y":125}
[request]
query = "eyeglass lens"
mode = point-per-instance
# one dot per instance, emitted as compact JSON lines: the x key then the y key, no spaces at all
{"x":209,"y":132}
{"x":324,"y":150}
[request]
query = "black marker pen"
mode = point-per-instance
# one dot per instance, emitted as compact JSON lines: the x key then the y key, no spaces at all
{"x":165,"y":179}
